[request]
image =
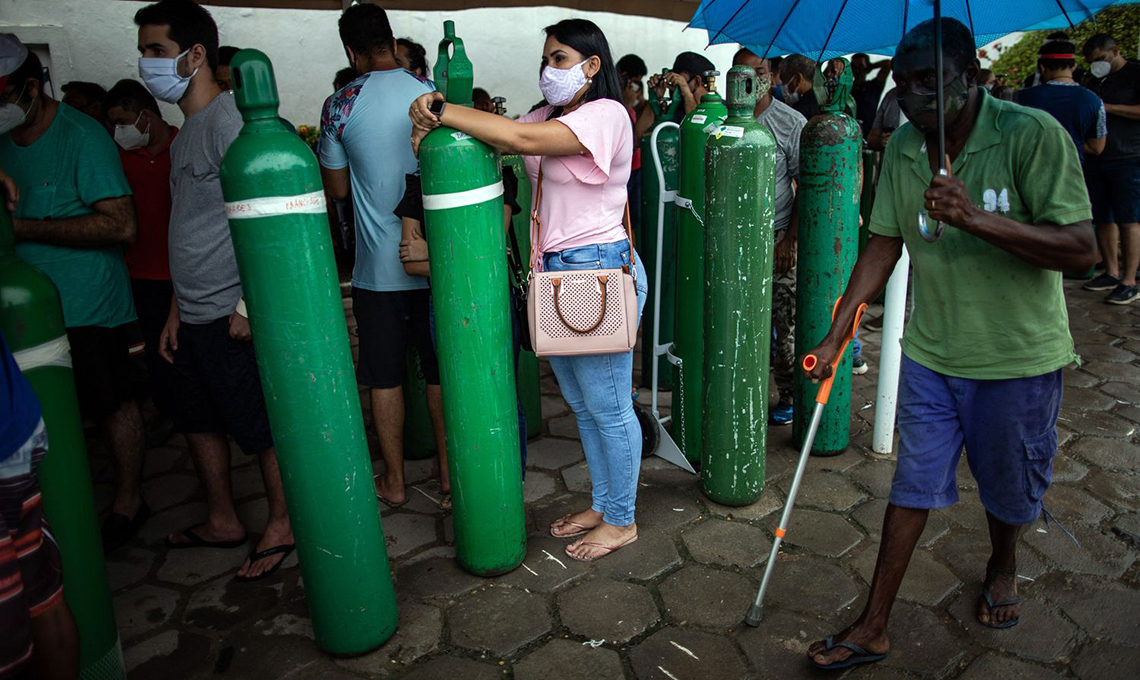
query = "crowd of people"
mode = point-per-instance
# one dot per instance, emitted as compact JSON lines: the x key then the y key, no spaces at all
{"x":137,"y":241}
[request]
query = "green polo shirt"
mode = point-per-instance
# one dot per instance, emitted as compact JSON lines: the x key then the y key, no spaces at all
{"x":979,"y":311}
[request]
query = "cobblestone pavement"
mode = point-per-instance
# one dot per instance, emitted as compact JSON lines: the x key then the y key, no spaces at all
{"x":670,"y":606}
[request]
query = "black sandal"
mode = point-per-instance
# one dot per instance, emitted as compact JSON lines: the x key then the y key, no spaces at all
{"x":283,"y":550}
{"x":193,"y":540}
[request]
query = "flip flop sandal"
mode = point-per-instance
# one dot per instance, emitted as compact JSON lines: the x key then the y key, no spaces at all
{"x":565,"y":521}
{"x":390,"y":504}
{"x":606,"y":548}
{"x":445,"y":504}
{"x":283,"y":550}
{"x":193,"y":540}
{"x":994,"y":605}
{"x":859,"y":655}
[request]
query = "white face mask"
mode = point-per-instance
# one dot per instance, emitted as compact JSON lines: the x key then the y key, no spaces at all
{"x":129,"y":137}
{"x":11,"y":115}
{"x":161,"y":77}
{"x":791,"y":97}
{"x":1100,"y":69}
{"x":559,"y":85}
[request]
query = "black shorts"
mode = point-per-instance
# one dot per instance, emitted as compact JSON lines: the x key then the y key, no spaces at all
{"x":106,"y":373}
{"x":1114,"y":190}
{"x":152,"y":303}
{"x":387,"y":322}
{"x":217,"y":388}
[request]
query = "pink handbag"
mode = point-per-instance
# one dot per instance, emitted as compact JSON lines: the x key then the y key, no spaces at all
{"x":587,"y":311}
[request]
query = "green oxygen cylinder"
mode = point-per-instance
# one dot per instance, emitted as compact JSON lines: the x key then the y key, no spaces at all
{"x":276,"y":208}
{"x":668,"y":150}
{"x":419,"y":437}
{"x":32,"y":320}
{"x":740,"y":185}
{"x":688,"y":331}
{"x":463,"y":209}
{"x":529,"y":385}
{"x":831,"y":152}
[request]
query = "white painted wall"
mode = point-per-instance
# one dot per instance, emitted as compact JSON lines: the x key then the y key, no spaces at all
{"x":95,"y":40}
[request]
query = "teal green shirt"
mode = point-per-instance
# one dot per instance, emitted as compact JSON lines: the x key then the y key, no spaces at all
{"x":979,"y":311}
{"x":72,"y":166}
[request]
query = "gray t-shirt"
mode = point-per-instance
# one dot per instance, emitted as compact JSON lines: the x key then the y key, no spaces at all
{"x":785,"y":124}
{"x":202,"y":264}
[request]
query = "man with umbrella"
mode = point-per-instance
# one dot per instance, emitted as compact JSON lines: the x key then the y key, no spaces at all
{"x":989,"y":335}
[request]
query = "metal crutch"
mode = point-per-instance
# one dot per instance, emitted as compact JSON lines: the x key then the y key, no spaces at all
{"x":756,"y":611}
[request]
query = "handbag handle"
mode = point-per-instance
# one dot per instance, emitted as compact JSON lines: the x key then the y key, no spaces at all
{"x":603,"y":280}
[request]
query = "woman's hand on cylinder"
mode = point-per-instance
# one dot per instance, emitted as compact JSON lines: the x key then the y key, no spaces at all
{"x":421,"y":115}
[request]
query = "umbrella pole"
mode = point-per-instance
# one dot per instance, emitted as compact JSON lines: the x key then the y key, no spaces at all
{"x":940,"y":85}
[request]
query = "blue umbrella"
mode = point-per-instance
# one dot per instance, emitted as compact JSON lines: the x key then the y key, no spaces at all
{"x":831,"y":28}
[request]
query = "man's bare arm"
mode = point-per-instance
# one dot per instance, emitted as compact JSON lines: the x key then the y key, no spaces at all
{"x":112,"y":223}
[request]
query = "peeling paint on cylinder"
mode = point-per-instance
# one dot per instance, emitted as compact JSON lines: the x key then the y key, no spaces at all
{"x":831,"y":164}
{"x":667,"y":149}
{"x":688,"y":333}
{"x":740,"y":186}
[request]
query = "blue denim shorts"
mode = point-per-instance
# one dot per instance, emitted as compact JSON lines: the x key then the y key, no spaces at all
{"x":1008,"y":428}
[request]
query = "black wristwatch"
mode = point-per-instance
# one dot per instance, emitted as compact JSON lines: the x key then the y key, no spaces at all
{"x":436,"y":107}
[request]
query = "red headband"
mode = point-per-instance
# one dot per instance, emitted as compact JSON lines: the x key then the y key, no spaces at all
{"x":1057,"y":56}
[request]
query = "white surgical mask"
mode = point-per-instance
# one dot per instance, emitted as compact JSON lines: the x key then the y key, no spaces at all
{"x":129,"y":137}
{"x":11,"y":115}
{"x":161,"y":77}
{"x":791,"y":97}
{"x":559,"y":85}
{"x":1100,"y":69}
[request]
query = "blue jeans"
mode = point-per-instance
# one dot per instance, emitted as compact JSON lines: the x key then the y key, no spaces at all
{"x":599,"y":390}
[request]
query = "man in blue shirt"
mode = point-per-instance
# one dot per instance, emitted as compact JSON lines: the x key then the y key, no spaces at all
{"x":365,"y":149}
{"x":1076,"y":108}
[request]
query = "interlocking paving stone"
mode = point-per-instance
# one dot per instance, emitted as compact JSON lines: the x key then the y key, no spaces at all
{"x":455,"y":668}
{"x":546,"y":566}
{"x":417,"y":635}
{"x":968,"y":512}
{"x":841,"y":463}
{"x":498,"y":620}
{"x":128,"y":566}
{"x":166,"y":491}
{"x":825,"y":491}
{"x":553,"y":454}
{"x":780,"y":462}
{"x":992,"y":666}
{"x":667,"y":508}
{"x":569,"y":660}
{"x":660,"y":472}
{"x":554,"y":406}
{"x":967,"y":552}
{"x":1121,"y":491}
{"x":1068,"y":503}
{"x":1078,"y":378}
{"x":727,"y":543}
{"x":161,"y":524}
{"x":225,"y":603}
{"x":870,"y":517}
{"x":796,"y":581}
{"x":1064,"y":435}
{"x":170,"y":654}
{"x":707,"y":597}
{"x":246,"y":482}
{"x":1098,"y":423}
{"x":602,"y":609}
{"x":271,"y":656}
{"x":419,"y":471}
{"x":770,"y":501}
{"x":1068,"y":469}
{"x":1100,"y":660}
{"x":1099,"y":554}
{"x":162,"y":459}
{"x":650,"y":556}
{"x":1042,"y":635}
{"x":564,"y":426}
{"x":1104,"y":610}
{"x":1085,"y":399}
{"x":778,"y":646}
{"x":538,"y":485}
{"x":190,"y":566}
{"x":577,"y":478}
{"x":1115,"y":372}
{"x":920,"y":642}
{"x":435,"y":577}
{"x":1130,"y":412}
{"x":144,"y":609}
{"x":404,"y":532}
{"x":822,"y":533}
{"x":1123,"y":392}
{"x":1106,"y":353}
{"x":875,"y":476}
{"x":926,"y":582}
{"x":682,"y":653}
{"x":1111,"y":454}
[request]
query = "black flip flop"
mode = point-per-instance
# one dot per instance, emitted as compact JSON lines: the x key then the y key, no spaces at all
{"x":196,"y":541}
{"x":994,"y":605}
{"x":283,"y":550}
{"x":118,"y":529}
{"x":859,"y":656}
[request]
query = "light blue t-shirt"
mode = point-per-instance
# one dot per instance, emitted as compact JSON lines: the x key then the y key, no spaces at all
{"x":365,"y":126}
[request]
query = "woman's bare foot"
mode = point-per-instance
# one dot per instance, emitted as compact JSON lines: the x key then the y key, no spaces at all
{"x":575,"y":524}
{"x":872,"y":639}
{"x":601,"y":541}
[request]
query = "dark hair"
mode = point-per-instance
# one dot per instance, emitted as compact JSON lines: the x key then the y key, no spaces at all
{"x":692,"y":64}
{"x":957,"y":42}
{"x":774,"y":63}
{"x":479,"y":94}
{"x":1100,"y":41}
{"x":797,"y":64}
{"x":1058,"y":47}
{"x":188,"y":24}
{"x":632,"y":66}
{"x":226,"y":54}
{"x":364,"y":29}
{"x":31,"y":69}
{"x":1057,"y":35}
{"x":92,"y":92}
{"x":1004,"y":92}
{"x":343,"y":77}
{"x":417,"y":56}
{"x":589,"y":41}
{"x":130,"y":95}
{"x":860,"y":55}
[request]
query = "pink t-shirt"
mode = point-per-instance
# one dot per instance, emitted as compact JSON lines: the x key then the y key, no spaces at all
{"x":584,"y":196}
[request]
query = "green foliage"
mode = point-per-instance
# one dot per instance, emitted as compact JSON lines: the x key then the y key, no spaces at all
{"x":1020,"y":59}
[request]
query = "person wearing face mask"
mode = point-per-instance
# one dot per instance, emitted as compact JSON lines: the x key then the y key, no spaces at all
{"x":1114,"y":174}
{"x":216,"y":387}
{"x":580,"y":148}
{"x":144,"y":139}
{"x":73,"y":220}
{"x":687,"y":82}
{"x":798,"y":75}
{"x":1076,"y":108}
{"x":988,"y":338}
{"x":88,"y":98}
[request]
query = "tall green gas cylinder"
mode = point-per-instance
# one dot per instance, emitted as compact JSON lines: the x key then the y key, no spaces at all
{"x":32,"y":321}
{"x":529,"y":384}
{"x":688,"y":334}
{"x":463,"y":208}
{"x":831,"y":161}
{"x":740,"y":196}
{"x":276,"y":208}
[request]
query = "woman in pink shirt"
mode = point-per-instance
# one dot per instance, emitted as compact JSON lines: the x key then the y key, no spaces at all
{"x":583,"y":142}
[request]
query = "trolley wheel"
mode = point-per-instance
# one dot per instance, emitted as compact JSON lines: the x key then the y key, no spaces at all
{"x":650,"y":430}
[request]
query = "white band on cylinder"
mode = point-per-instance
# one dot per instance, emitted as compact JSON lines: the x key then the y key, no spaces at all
{"x":272,"y":206}
{"x":460,"y":199}
{"x":52,"y":353}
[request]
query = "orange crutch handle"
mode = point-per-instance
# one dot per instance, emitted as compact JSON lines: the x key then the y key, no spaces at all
{"x":810,"y":361}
